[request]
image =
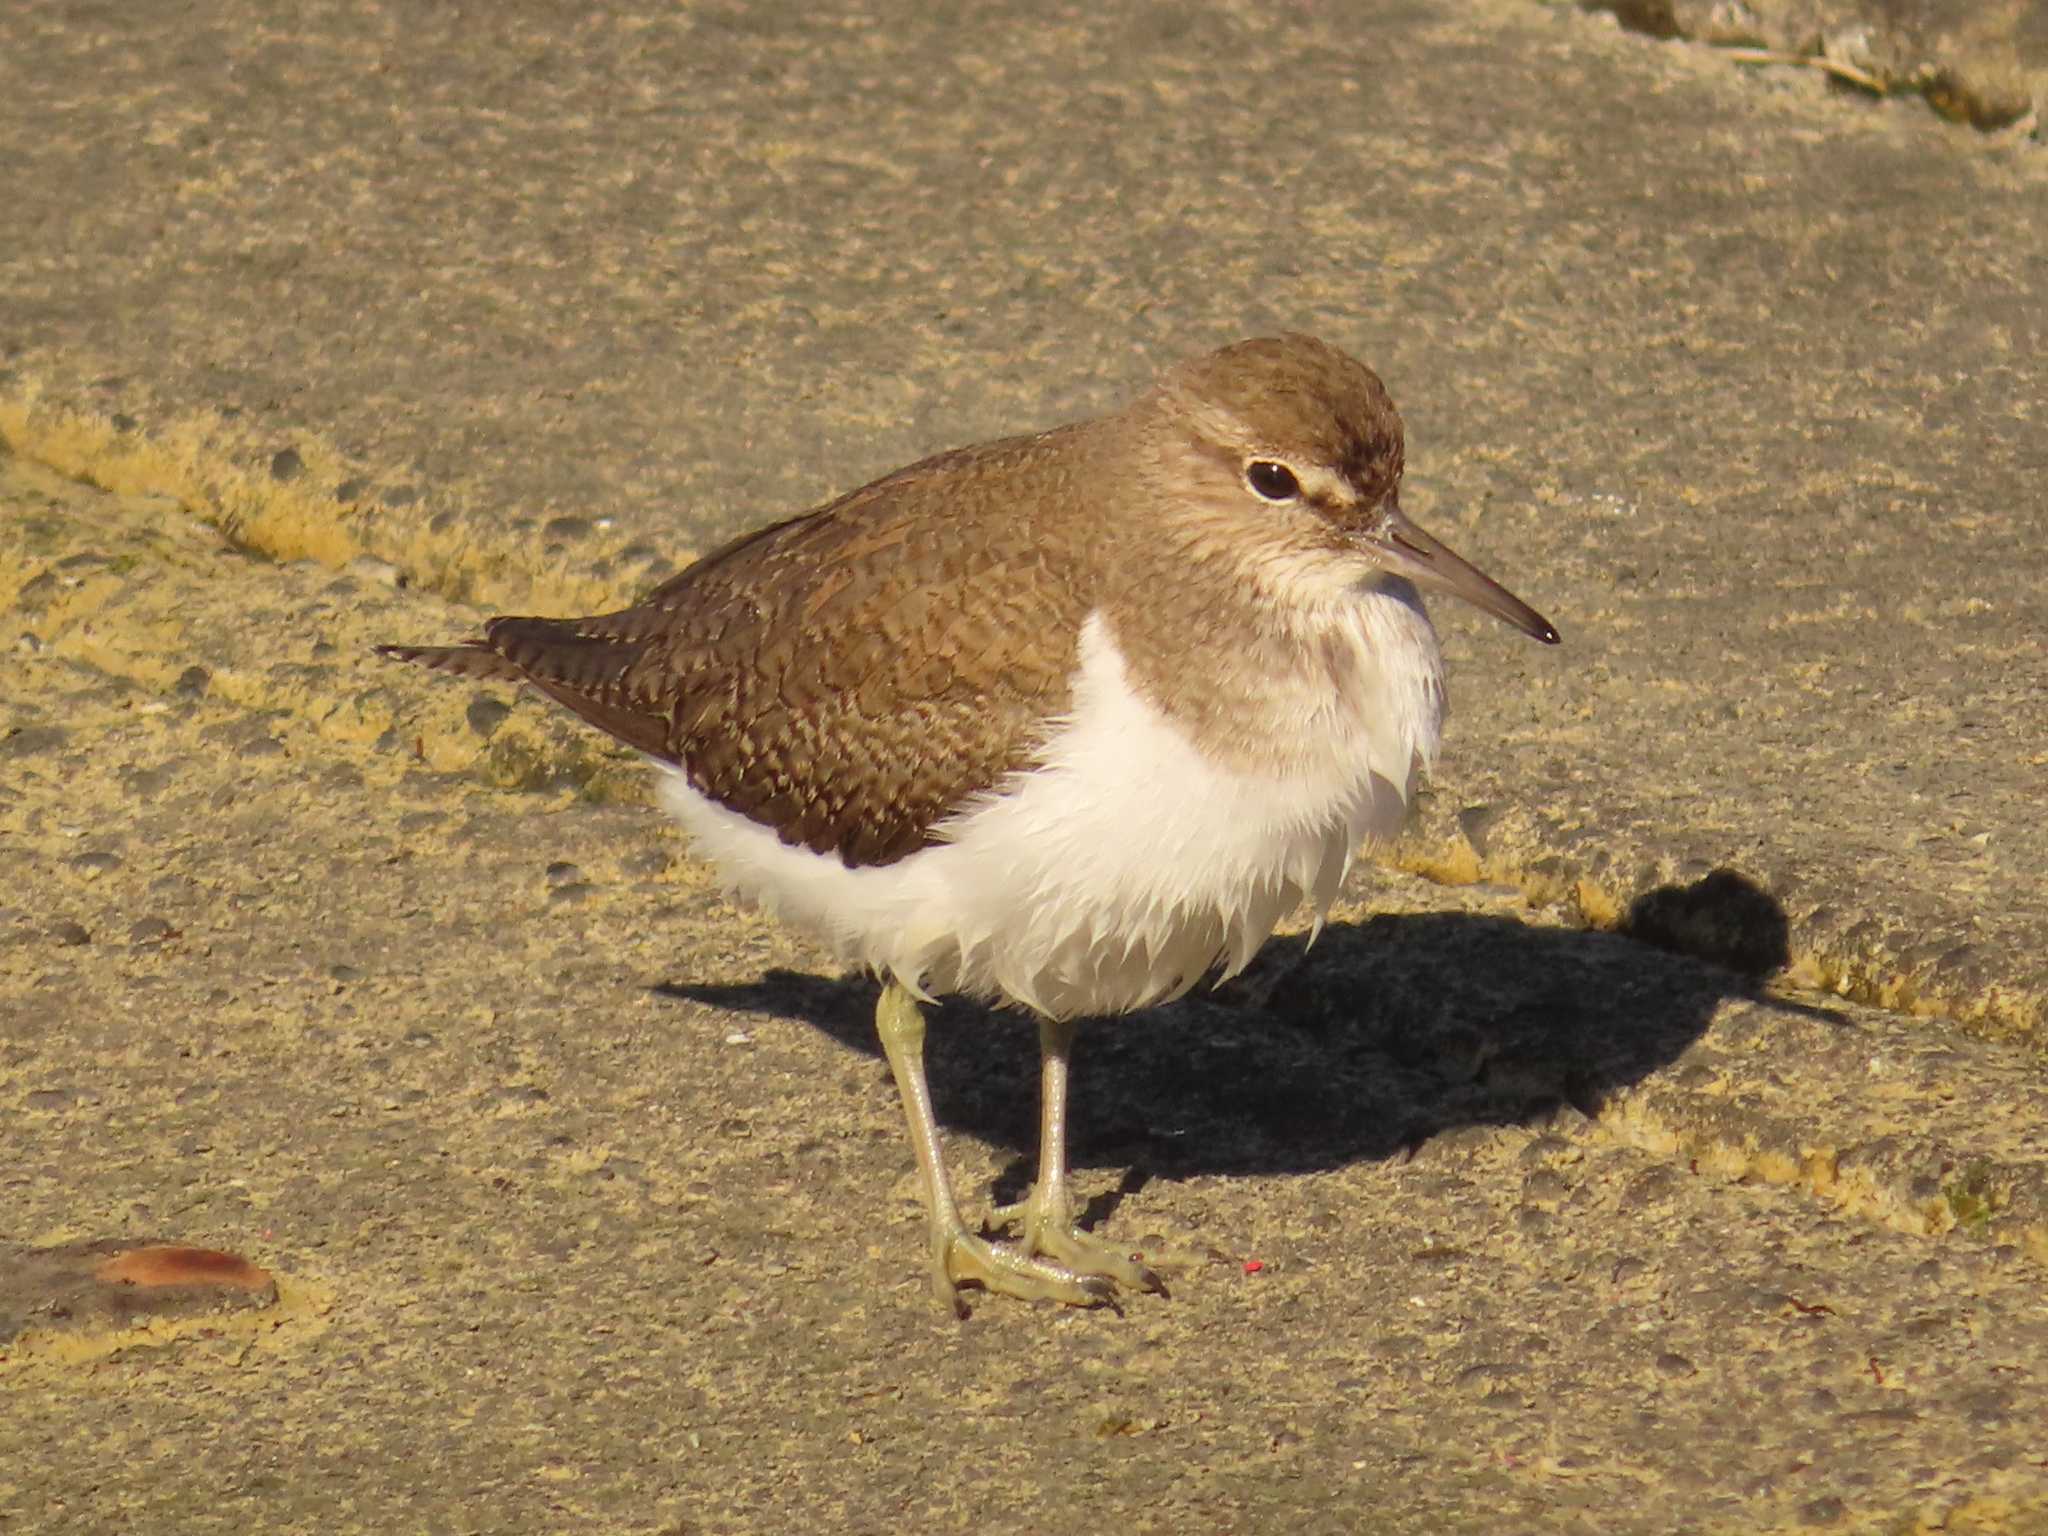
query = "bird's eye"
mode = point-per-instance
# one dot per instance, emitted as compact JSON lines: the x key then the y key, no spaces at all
{"x":1275,"y":482}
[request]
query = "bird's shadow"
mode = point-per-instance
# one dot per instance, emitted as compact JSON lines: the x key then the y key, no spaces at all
{"x":1384,"y":1034}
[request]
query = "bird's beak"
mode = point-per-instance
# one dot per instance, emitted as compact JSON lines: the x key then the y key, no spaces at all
{"x":1405,"y":550}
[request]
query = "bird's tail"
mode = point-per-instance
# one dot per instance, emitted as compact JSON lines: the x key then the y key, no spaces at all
{"x":475,"y":659}
{"x":585,"y":672}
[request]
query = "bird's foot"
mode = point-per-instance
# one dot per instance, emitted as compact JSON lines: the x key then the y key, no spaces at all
{"x":1046,"y":1227}
{"x":959,"y":1257}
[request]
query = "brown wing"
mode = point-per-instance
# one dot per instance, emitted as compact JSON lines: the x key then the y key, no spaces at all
{"x":849,"y":677}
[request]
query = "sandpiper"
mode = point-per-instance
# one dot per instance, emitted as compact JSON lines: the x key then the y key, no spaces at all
{"x":1067,"y":721}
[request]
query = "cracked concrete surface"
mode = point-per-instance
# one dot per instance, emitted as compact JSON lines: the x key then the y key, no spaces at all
{"x":1538,"y":1195}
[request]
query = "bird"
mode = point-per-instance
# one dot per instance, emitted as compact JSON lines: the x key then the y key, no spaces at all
{"x":1066,"y":722}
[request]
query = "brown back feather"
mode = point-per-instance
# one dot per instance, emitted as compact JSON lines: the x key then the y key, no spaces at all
{"x":850,"y":677}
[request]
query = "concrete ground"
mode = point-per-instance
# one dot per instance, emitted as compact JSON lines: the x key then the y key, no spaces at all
{"x":1654,"y":1142}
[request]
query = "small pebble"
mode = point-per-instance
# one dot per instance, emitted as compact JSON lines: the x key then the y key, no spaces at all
{"x":486,"y":714}
{"x":382,"y":572}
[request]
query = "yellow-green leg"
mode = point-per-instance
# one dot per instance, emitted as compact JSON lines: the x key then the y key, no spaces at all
{"x":957,"y":1255}
{"x":1046,"y":1215}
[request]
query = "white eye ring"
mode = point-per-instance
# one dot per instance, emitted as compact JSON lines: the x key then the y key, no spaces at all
{"x":1272,"y":480}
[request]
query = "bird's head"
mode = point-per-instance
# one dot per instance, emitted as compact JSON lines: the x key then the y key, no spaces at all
{"x":1288,"y":428}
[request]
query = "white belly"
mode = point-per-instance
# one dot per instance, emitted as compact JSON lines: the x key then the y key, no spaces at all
{"x":1126,"y":865}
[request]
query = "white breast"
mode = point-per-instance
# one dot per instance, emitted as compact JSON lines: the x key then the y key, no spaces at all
{"x":1124,"y":866}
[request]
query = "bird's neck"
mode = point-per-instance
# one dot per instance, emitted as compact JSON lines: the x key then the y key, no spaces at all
{"x":1282,"y":665}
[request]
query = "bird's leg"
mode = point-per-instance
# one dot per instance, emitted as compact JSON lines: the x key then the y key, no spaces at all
{"x":1046,"y":1216}
{"x":957,"y":1254}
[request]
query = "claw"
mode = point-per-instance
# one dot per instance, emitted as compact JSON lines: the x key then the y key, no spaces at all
{"x":960,"y":1258}
{"x":1047,"y":1228}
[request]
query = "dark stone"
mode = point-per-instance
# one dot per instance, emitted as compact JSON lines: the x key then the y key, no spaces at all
{"x":486,"y":714}
{"x":27,"y":740}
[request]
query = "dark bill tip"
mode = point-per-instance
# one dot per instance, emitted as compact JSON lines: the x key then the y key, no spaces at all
{"x":1434,"y":566}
